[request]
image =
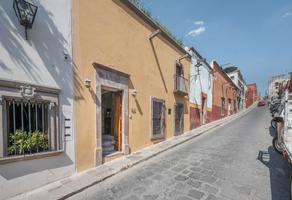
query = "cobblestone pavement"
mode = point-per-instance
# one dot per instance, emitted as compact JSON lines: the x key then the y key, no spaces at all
{"x":221,"y":164}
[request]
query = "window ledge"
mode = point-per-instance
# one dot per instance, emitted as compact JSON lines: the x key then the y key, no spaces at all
{"x":29,"y":157}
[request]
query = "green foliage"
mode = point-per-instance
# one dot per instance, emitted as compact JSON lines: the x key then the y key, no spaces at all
{"x":17,"y":142}
{"x":139,"y":5}
{"x":22,"y":142}
{"x":39,"y":140}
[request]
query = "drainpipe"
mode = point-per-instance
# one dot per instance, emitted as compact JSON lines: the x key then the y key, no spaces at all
{"x":183,"y":57}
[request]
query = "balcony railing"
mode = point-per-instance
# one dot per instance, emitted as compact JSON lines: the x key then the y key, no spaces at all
{"x":180,"y":85}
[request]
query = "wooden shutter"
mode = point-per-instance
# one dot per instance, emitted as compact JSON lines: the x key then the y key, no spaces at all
{"x":118,"y":121}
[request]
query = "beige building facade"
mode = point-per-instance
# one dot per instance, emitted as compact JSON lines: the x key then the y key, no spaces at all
{"x":130,"y":82}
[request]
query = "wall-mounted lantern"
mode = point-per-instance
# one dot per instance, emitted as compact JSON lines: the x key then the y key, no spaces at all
{"x":25,"y":12}
{"x":134,"y":93}
{"x":87,"y":83}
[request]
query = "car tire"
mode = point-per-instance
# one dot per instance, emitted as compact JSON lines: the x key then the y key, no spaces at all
{"x":276,"y":146}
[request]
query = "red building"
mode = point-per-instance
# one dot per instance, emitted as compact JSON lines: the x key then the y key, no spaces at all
{"x":225,"y":94}
{"x":251,"y":95}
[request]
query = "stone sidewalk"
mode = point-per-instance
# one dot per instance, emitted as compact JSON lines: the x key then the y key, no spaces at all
{"x":76,"y":183}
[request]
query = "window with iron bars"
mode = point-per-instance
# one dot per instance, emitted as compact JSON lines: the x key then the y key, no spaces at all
{"x":29,"y":127}
{"x":157,"y":118}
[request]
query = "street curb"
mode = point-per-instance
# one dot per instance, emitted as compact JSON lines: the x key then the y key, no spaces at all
{"x":77,"y":183}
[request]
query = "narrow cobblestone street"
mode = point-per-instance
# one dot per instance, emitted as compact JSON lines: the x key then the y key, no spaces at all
{"x":220,"y":164}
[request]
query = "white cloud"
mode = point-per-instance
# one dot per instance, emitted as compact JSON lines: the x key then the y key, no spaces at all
{"x":199,"y":22}
{"x":196,"y":32}
{"x":287,"y":14}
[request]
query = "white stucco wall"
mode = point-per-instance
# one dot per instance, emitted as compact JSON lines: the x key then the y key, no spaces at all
{"x":40,"y":61}
{"x":201,"y":80}
{"x":272,"y":91}
{"x":243,"y":89}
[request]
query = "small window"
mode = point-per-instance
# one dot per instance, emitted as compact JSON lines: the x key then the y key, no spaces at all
{"x":232,"y":77}
{"x":222,"y":105}
{"x":157,"y":118}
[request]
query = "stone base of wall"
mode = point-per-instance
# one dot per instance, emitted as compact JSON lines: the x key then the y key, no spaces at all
{"x":215,"y":114}
{"x":209,"y":116}
{"x":195,"y":120}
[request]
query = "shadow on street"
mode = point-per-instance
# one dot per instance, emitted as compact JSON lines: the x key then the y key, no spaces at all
{"x":279,"y":173}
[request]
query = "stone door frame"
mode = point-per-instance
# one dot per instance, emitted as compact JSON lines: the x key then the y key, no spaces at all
{"x":107,"y":78}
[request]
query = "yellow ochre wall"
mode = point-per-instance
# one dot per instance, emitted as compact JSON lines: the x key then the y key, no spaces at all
{"x":109,"y":33}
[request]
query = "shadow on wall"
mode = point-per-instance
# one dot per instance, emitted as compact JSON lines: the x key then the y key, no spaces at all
{"x":132,"y":87}
{"x":46,"y":46}
{"x":184,"y":101}
{"x":78,"y":84}
{"x":11,"y":41}
{"x":158,"y":65}
{"x":118,"y":3}
{"x":279,"y":173}
{"x":45,"y":42}
{"x":11,"y":170}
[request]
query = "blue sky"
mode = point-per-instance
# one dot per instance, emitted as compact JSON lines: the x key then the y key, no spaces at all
{"x":255,"y":35}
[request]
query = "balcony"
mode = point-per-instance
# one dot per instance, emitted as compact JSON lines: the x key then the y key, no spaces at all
{"x":180,"y":85}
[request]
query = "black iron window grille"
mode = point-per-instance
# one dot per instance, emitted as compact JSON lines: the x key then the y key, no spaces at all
{"x":158,"y":118}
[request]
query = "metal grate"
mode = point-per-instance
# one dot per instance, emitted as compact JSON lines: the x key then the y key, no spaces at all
{"x":27,"y":127}
{"x":158,"y":117}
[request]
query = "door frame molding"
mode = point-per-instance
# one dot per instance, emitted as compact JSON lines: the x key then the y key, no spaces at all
{"x":111,"y":79}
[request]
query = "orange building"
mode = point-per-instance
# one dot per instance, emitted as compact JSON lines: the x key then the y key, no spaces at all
{"x":131,"y":81}
{"x":225,"y":94}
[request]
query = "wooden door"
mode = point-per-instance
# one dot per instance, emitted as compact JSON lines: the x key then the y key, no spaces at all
{"x":118,"y":121}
